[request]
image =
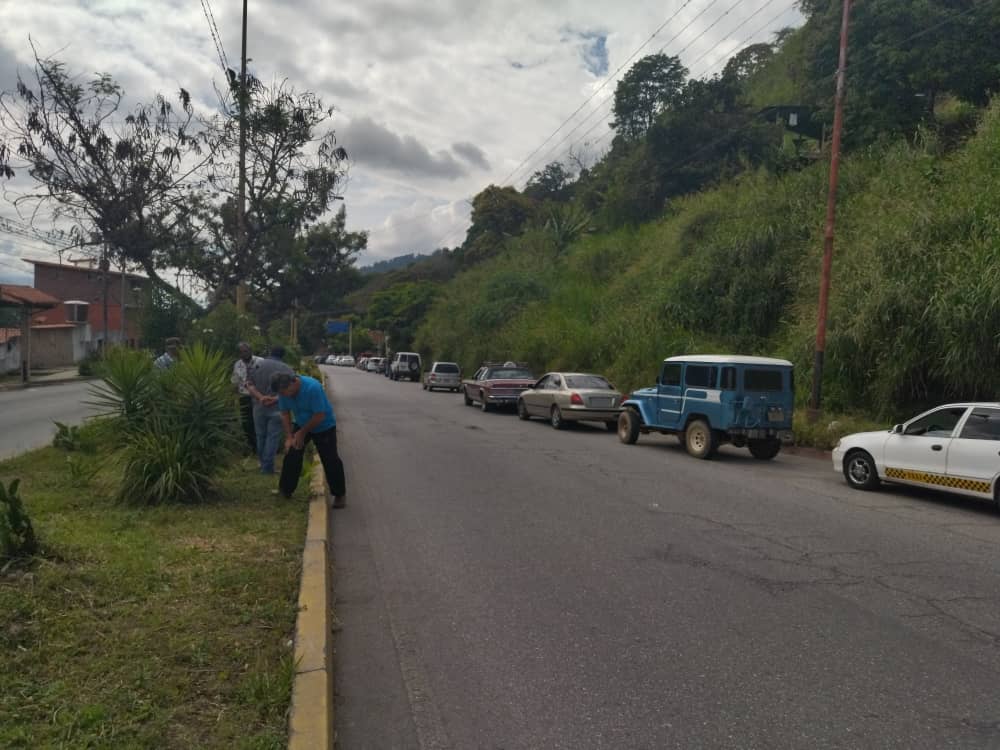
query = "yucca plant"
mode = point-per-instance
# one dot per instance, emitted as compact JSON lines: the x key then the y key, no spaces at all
{"x":127,"y":389}
{"x":17,"y":536}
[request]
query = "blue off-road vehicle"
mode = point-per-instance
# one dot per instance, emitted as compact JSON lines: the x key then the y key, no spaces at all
{"x":714,"y":399}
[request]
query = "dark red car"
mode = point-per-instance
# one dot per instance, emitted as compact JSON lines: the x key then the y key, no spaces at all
{"x":496,"y":384}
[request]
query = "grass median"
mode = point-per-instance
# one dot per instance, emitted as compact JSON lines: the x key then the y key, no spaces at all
{"x":166,"y":626}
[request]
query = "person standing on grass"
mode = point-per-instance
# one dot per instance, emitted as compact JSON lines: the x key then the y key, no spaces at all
{"x":173,"y":352}
{"x":266,"y":417}
{"x":307,"y":414}
{"x":241,"y":374}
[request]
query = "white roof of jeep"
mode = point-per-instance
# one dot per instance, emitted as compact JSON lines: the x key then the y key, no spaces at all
{"x":730,"y":359}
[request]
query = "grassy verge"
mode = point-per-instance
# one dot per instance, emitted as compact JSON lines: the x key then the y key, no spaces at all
{"x":828,"y":429}
{"x":164,"y":627}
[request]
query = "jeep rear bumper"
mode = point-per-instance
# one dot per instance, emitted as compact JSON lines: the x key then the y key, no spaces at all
{"x":785,"y":436}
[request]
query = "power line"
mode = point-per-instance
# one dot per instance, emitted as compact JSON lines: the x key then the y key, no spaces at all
{"x":678,"y":54}
{"x":596,"y":91}
{"x":213,"y":29}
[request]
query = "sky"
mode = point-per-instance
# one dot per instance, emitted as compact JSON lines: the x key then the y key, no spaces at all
{"x":434,"y":99}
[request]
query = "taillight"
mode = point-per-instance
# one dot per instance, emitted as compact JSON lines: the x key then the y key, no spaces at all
{"x":434,"y":377}
{"x":575,"y":399}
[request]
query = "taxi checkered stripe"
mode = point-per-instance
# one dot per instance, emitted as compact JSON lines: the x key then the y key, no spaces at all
{"x":957,"y":483}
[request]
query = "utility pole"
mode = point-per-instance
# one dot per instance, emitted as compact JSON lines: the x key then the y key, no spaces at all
{"x":105,"y":267}
{"x":831,"y":213}
{"x":241,"y":218}
{"x":124,"y":338}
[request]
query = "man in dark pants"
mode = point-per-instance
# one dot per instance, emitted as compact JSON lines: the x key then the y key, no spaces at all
{"x":307,"y":414}
{"x":241,"y":374}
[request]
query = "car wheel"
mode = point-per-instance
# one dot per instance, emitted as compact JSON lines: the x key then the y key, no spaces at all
{"x":484,"y":405}
{"x":556,"y":419}
{"x":628,"y":426}
{"x":764,"y":450}
{"x":522,"y":410}
{"x":699,"y":439}
{"x":611,"y":426}
{"x":860,"y":471}
{"x":465,"y":396}
{"x":425,"y":386}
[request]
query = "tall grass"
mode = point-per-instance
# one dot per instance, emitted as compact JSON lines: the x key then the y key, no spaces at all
{"x":914,"y":318}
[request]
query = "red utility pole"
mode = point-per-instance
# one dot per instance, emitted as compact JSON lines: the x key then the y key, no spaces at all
{"x":831,"y":213}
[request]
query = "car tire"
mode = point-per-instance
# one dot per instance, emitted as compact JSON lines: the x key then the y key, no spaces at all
{"x":465,"y":397}
{"x":425,"y":386}
{"x":484,"y":405}
{"x":860,"y":471}
{"x":522,"y":411}
{"x":628,"y":426}
{"x":764,"y":450}
{"x":556,"y":419}
{"x":700,"y":440}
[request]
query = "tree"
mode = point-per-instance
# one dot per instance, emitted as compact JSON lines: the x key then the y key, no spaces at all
{"x":497,"y":214}
{"x":121,"y":178}
{"x":650,"y":86}
{"x":294,"y":166}
{"x":549,"y":183}
{"x":748,"y":62}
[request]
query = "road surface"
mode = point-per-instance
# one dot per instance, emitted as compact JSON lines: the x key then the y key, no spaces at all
{"x":26,"y":416}
{"x":500,"y":584}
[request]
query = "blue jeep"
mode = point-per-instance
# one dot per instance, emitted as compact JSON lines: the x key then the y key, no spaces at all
{"x":710,"y":400}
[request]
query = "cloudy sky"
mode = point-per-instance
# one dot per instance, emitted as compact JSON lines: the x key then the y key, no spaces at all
{"x":435,"y":99}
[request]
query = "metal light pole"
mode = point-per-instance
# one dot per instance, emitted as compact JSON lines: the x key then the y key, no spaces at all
{"x":241,"y":219}
{"x":831,"y":212}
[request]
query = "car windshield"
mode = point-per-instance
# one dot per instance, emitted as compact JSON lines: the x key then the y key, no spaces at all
{"x":446,"y":367}
{"x":595,"y":382}
{"x":504,"y":373}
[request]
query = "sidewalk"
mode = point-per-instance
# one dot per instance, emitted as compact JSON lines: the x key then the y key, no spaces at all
{"x":43,"y":377}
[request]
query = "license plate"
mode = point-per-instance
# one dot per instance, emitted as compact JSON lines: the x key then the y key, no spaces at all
{"x":603,"y":402}
{"x":775,"y":415}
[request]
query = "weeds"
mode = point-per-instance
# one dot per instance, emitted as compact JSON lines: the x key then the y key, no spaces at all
{"x":17,"y":536}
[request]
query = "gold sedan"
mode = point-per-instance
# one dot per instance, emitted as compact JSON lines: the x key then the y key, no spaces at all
{"x":563,"y":397}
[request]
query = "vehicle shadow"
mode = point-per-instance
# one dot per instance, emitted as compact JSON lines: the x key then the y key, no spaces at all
{"x":972,"y":506}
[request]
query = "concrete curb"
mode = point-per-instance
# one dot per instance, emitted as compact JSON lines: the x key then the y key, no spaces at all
{"x":43,"y":383}
{"x":310,"y":722}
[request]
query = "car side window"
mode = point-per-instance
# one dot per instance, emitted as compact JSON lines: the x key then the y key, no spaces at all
{"x":671,"y":374}
{"x":728,"y":381}
{"x":699,"y":376}
{"x":543,"y":383}
{"x":982,"y":424}
{"x":939,"y":423}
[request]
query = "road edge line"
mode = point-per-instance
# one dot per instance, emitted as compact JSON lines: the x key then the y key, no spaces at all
{"x":310,"y":719}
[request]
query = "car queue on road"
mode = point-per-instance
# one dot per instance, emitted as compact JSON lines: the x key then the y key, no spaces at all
{"x":710,"y":400}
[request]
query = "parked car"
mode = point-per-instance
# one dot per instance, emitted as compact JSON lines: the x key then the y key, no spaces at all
{"x":332,"y":359}
{"x":709,"y":400}
{"x":374,"y":364}
{"x":443,"y":375}
{"x":405,"y":365}
{"x":346,"y":360}
{"x":952,"y":448}
{"x":563,"y":397}
{"x":497,"y":384}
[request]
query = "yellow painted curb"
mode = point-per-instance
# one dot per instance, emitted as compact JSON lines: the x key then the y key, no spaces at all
{"x":310,"y":722}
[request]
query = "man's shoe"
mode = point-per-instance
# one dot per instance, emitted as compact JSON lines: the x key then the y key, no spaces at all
{"x":339,"y":501}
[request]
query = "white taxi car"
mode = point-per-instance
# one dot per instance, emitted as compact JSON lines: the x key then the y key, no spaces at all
{"x":955,"y":448}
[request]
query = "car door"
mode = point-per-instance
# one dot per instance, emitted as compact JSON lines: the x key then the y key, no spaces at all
{"x":533,"y":398}
{"x":669,"y":395}
{"x":974,"y":455}
{"x":919,"y":454}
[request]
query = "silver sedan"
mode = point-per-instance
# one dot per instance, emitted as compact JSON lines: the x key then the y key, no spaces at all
{"x":562,"y":397}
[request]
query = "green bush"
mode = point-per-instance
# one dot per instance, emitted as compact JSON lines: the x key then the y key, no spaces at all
{"x":88,"y":365}
{"x":176,"y":428}
{"x":17,"y":537}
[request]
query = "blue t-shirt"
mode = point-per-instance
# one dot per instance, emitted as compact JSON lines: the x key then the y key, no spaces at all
{"x":310,"y":400}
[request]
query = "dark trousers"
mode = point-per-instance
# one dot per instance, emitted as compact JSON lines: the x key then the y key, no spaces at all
{"x":246,"y":419}
{"x":333,"y":467}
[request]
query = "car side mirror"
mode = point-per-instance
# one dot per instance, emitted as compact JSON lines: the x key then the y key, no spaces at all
{"x":897,"y":430}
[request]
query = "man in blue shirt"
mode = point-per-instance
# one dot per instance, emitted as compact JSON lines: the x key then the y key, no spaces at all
{"x":306,"y":414}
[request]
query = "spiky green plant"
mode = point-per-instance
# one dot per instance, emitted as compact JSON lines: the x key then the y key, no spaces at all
{"x":17,"y":536}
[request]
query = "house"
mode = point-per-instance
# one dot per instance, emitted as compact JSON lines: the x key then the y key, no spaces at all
{"x":80,"y":285}
{"x":19,"y":347}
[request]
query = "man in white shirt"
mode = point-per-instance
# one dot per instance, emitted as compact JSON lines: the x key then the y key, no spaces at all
{"x":241,"y":373}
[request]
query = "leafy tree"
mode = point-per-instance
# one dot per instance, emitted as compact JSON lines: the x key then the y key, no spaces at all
{"x":748,"y":62}
{"x":549,"y":183}
{"x":497,"y":214}
{"x":399,"y":309}
{"x":293,"y":168}
{"x":651,"y":85}
{"x":121,"y":178}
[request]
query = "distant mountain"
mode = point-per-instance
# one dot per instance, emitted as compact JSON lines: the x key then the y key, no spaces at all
{"x":400,"y":261}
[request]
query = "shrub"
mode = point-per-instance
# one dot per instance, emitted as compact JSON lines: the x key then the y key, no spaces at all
{"x":89,"y":365}
{"x":17,"y":537}
{"x":67,"y":437}
{"x":128,"y":387}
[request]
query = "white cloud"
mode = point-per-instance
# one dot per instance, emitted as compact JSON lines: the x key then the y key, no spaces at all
{"x":436,"y":98}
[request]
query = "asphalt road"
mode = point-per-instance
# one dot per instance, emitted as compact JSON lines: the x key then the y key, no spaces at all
{"x":26,"y":416}
{"x":503,"y":585}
